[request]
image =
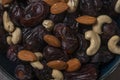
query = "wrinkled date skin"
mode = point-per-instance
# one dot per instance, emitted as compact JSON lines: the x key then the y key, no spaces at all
{"x":103,"y":56}
{"x":81,"y":51}
{"x":91,"y":7}
{"x":109,"y":30}
{"x":12,"y":52}
{"x":33,"y":38}
{"x":67,"y":37}
{"x":24,"y":72}
{"x":51,"y":53}
{"x":30,"y":15}
{"x":44,"y":74}
{"x":87,"y":72}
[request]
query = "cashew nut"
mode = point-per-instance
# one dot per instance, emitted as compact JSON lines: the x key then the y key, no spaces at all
{"x":9,"y":41}
{"x":8,"y":25}
{"x":39,"y":55}
{"x":101,"y":20}
{"x":16,"y":35}
{"x":57,"y":75}
{"x":112,"y":44}
{"x":48,"y":24}
{"x":95,"y":42}
{"x":117,"y":6}
{"x":37,"y":65}
{"x":73,"y":4}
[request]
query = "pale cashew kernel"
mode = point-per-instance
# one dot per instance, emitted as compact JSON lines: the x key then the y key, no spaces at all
{"x":73,"y":4}
{"x":95,"y":42}
{"x":57,"y":75}
{"x":102,"y":19}
{"x":112,"y":44}
{"x":48,"y":24}
{"x":9,"y":41}
{"x":16,"y":35}
{"x":8,"y":25}
{"x":39,"y":55}
{"x":37,"y":65}
{"x":117,"y":6}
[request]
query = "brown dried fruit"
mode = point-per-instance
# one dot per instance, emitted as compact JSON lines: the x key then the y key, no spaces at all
{"x":73,"y":65}
{"x":26,"y":55}
{"x":52,"y":40}
{"x":51,"y":2}
{"x":87,"y":20}
{"x":58,"y":8}
{"x":6,"y":2}
{"x":57,"y":64}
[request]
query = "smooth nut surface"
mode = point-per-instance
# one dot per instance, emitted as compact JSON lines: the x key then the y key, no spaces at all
{"x":37,"y":65}
{"x":87,"y":20}
{"x":52,"y":40}
{"x":57,"y":64}
{"x":39,"y":55}
{"x":58,"y":8}
{"x":112,"y":44}
{"x":9,"y":40}
{"x":117,"y":6}
{"x":57,"y":75}
{"x":73,"y":65}
{"x":51,"y":2}
{"x":26,"y":55}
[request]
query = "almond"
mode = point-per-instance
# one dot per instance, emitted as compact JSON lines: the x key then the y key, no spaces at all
{"x":51,"y":2}
{"x":64,"y":1}
{"x":58,"y":8}
{"x":26,"y":55}
{"x":73,"y":65}
{"x":87,"y":20}
{"x":52,"y":40}
{"x":57,"y":64}
{"x":6,"y":2}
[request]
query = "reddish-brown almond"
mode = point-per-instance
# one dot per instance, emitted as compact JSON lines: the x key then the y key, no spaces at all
{"x":58,"y":8}
{"x":57,"y":64}
{"x":6,"y":2}
{"x":64,"y":1}
{"x":26,"y":55}
{"x":73,"y":65}
{"x":87,"y":20}
{"x":52,"y":40}
{"x":51,"y":2}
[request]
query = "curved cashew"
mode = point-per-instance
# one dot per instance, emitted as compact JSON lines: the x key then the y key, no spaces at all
{"x":9,"y":41}
{"x":8,"y":25}
{"x":16,"y":35}
{"x":57,"y":75}
{"x":117,"y":7}
{"x":101,"y":20}
{"x":37,"y":65}
{"x":112,"y":44}
{"x":73,"y":4}
{"x":95,"y":42}
{"x":39,"y":55}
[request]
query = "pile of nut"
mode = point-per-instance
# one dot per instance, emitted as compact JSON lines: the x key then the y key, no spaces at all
{"x":59,"y":39}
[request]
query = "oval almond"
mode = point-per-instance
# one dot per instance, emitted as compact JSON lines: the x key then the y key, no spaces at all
{"x":51,"y":2}
{"x":52,"y":40}
{"x":73,"y":65}
{"x":26,"y":55}
{"x":58,"y":8}
{"x":57,"y":64}
{"x":87,"y":20}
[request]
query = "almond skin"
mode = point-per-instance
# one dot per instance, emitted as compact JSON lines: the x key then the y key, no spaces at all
{"x":58,"y":8}
{"x":6,"y":2}
{"x":87,"y":20}
{"x":52,"y":40}
{"x":73,"y":65}
{"x":26,"y":55}
{"x":51,"y":2}
{"x":57,"y":64}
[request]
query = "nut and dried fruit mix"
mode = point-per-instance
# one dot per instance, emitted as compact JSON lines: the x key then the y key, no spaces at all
{"x":59,"y":39}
